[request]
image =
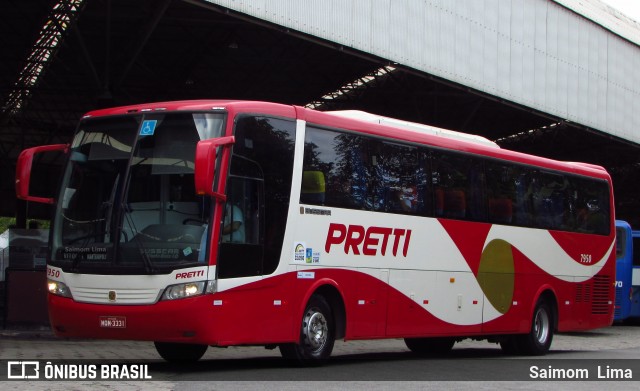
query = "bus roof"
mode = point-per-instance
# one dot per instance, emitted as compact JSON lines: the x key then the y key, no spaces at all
{"x":198,"y":105}
{"x":413,"y":126}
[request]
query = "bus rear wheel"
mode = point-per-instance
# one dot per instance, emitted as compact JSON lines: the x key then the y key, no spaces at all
{"x":317,"y":335}
{"x":180,"y":352}
{"x":430,"y":346}
{"x":538,"y":341}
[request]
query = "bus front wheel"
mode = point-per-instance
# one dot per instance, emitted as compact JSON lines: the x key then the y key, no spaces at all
{"x":180,"y":352}
{"x":538,"y":341}
{"x":317,"y":335}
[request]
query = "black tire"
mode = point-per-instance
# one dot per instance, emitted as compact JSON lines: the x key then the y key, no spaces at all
{"x":430,"y":346}
{"x":317,"y":335}
{"x":180,"y":352}
{"x":538,"y":341}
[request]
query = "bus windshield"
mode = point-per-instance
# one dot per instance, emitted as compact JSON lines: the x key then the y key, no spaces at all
{"x":127,"y":202}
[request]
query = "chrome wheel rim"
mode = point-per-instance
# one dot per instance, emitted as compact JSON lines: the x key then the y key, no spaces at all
{"x":316,"y":330}
{"x":541,"y":326}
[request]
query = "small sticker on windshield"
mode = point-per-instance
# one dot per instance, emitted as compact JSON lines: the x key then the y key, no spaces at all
{"x":148,"y":127}
{"x":187,"y":251}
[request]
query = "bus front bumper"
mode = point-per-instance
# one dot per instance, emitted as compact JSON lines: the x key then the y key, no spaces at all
{"x":185,"y":320}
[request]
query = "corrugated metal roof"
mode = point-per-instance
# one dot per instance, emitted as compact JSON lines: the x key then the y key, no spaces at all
{"x":606,"y":16}
{"x":573,"y":59}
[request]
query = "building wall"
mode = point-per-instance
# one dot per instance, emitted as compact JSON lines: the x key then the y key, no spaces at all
{"x":537,"y":53}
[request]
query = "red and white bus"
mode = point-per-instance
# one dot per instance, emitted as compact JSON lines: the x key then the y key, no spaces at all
{"x":221,"y":223}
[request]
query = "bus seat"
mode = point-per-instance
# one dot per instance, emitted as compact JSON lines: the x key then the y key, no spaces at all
{"x":313,"y":187}
{"x":500,"y":210}
{"x":455,"y":204}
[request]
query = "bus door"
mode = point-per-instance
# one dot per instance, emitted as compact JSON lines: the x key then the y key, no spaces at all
{"x":255,"y":309}
{"x":241,"y":251}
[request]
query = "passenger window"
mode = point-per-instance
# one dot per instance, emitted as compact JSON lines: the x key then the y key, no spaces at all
{"x":362,"y":172}
{"x":636,"y":254}
{"x":398,"y":178}
{"x":356,"y":172}
{"x":458,"y":183}
{"x":507,"y":198}
{"x":590,"y":206}
{"x":621,"y":243}
{"x":550,"y":200}
{"x":338,"y":170}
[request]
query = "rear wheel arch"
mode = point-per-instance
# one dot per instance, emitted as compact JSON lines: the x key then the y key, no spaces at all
{"x":552,"y":301}
{"x":543,"y":323}
{"x":549,"y":296}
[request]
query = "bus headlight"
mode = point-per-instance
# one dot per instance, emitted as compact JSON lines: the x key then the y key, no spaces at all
{"x":58,"y":288}
{"x":181,"y":291}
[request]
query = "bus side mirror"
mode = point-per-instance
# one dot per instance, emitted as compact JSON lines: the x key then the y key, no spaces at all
{"x":23,"y":171}
{"x":205,"y":165}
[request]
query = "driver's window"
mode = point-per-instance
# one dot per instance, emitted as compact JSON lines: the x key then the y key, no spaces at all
{"x":241,"y":249}
{"x":242,"y":212}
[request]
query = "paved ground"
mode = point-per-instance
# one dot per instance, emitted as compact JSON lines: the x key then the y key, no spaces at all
{"x":41,"y":344}
{"x":609,"y":343}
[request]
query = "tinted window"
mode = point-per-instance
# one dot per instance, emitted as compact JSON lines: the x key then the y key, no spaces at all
{"x":362,"y":172}
{"x":458,"y":182}
{"x":590,"y":206}
{"x":636,"y":253}
{"x":259,"y":188}
{"x":621,"y":242}
{"x":508,"y":197}
{"x":349,"y":171}
{"x":338,"y":170}
{"x":401,"y":179}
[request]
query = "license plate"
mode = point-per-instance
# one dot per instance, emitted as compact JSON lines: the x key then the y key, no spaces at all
{"x":113,"y":322}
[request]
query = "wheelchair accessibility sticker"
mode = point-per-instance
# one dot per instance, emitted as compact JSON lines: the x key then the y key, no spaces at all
{"x":148,"y":127}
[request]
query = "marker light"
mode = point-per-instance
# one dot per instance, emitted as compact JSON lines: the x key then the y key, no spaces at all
{"x":58,"y":288}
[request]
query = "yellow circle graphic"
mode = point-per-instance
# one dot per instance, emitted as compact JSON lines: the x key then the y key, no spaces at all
{"x":496,"y":274}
